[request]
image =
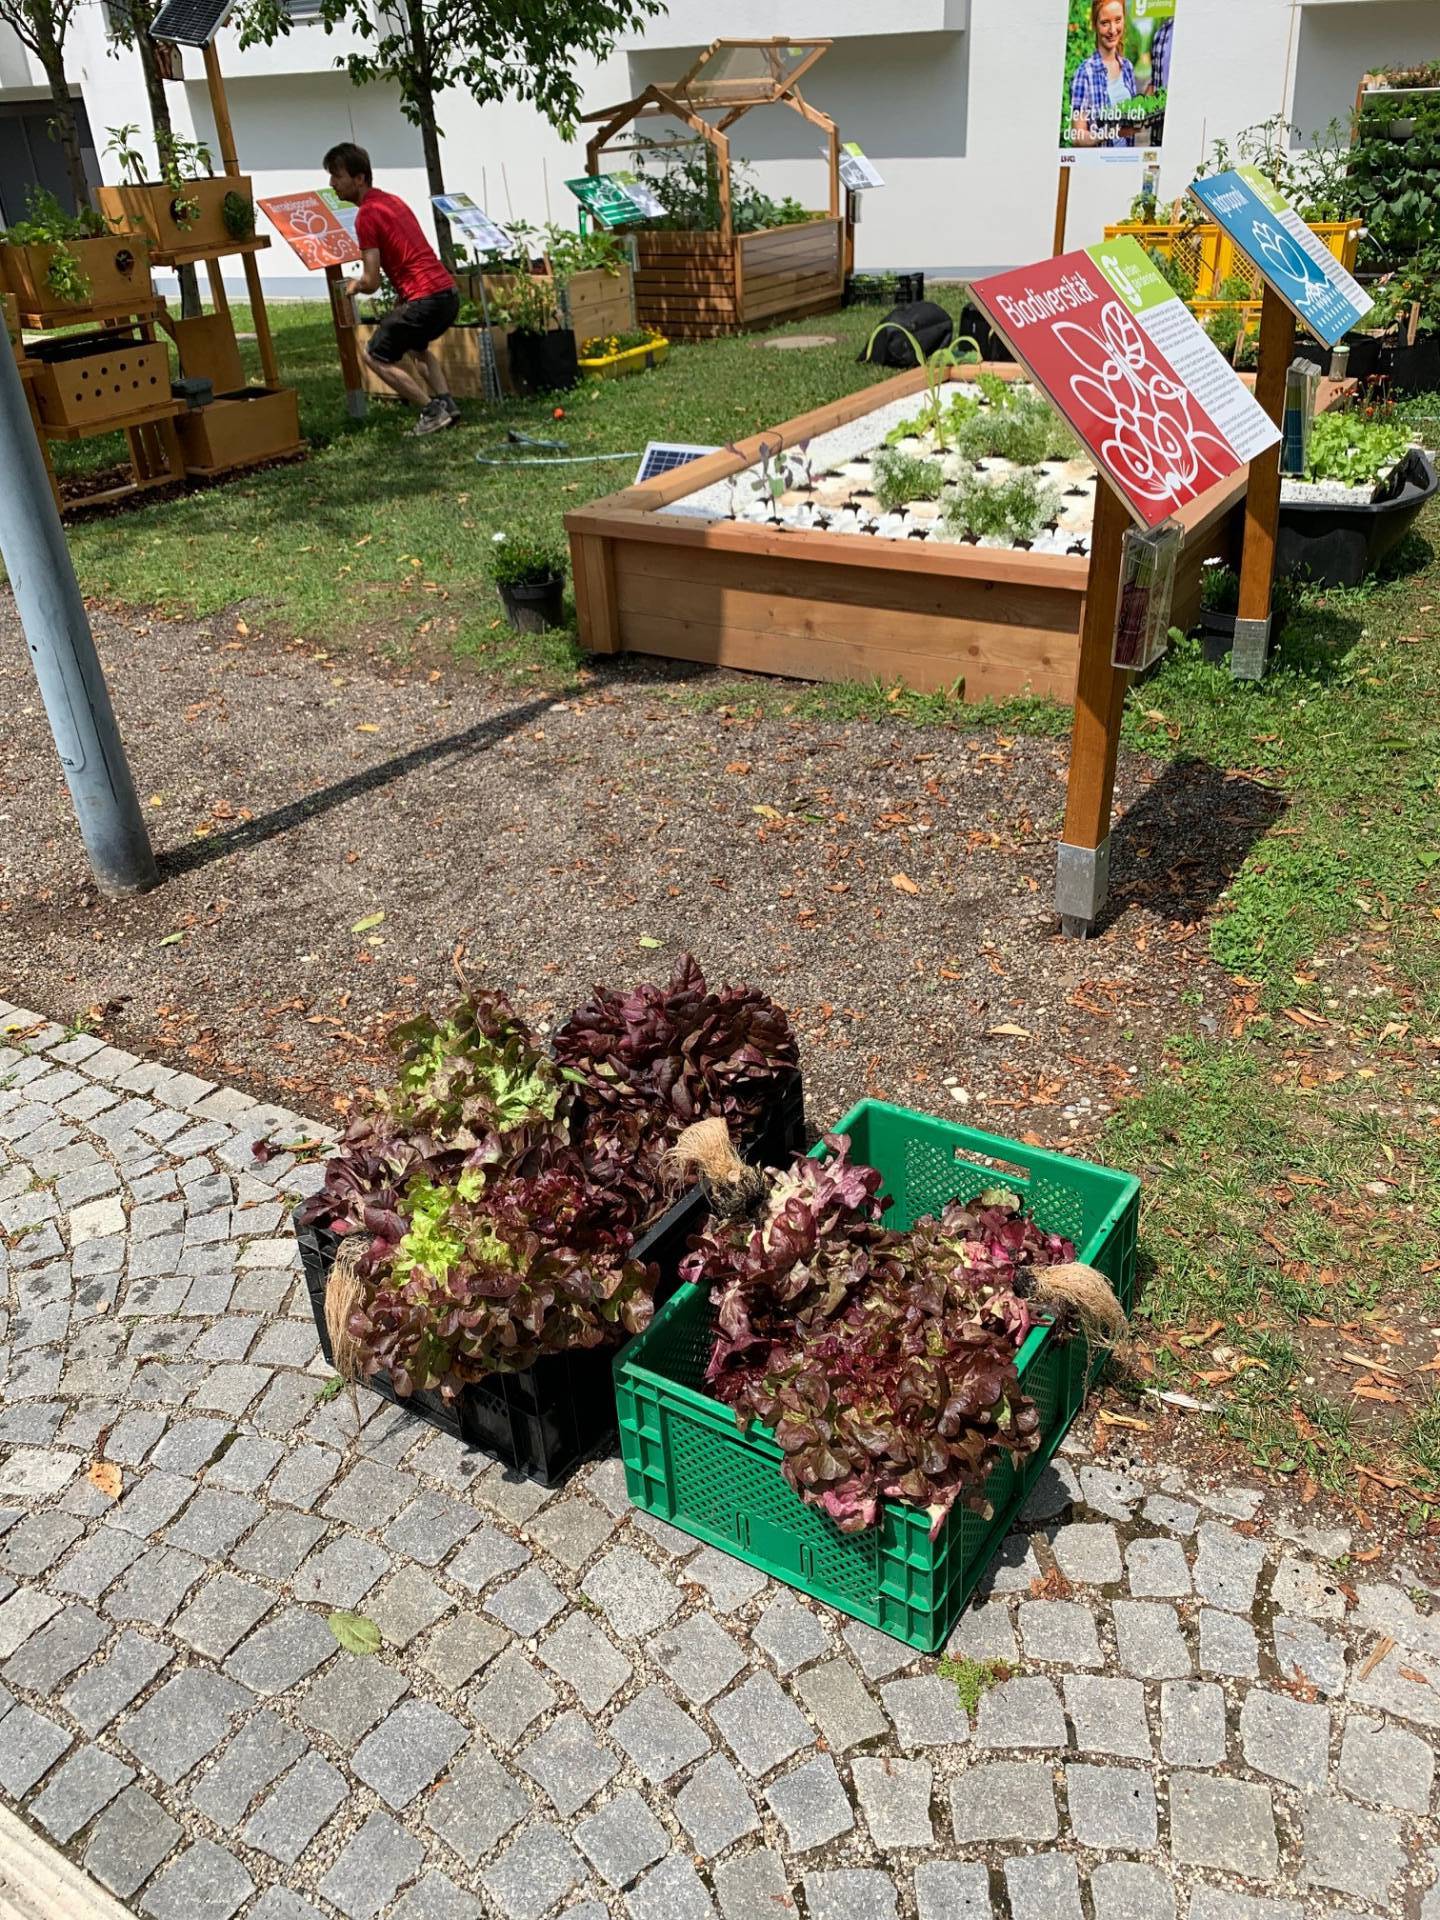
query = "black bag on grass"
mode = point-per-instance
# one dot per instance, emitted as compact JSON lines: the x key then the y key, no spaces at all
{"x":931,"y":326}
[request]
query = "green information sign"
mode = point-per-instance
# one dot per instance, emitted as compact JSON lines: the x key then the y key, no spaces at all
{"x":606,"y":199}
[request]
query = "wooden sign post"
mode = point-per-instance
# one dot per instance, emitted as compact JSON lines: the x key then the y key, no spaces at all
{"x":1302,"y":279}
{"x":320,"y":240}
{"x":1165,"y":419}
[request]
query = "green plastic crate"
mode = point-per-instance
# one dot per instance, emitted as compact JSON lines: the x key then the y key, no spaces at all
{"x":688,"y":1462}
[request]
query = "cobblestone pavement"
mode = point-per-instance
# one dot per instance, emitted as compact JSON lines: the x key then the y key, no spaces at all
{"x":576,"y":1710}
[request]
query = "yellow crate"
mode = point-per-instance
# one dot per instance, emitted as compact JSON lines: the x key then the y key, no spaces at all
{"x":1209,"y":257}
{"x":610,"y":366}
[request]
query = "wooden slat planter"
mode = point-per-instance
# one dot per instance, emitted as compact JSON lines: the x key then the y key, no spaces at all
{"x":598,"y":303}
{"x":458,"y":352}
{"x":695,"y":285}
{"x":116,"y":268}
{"x":828,"y":606}
{"x":102,"y":385}
{"x":146,"y":210}
{"x":240,"y":430}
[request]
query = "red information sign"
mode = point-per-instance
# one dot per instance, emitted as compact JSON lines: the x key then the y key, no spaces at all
{"x":312,"y":229}
{"x":1158,"y":406}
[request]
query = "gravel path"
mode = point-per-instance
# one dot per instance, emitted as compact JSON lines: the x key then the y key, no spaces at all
{"x":1210,"y":1712}
{"x":889,"y":884}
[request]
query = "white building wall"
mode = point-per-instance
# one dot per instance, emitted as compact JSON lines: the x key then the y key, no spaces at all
{"x":956,"y":103}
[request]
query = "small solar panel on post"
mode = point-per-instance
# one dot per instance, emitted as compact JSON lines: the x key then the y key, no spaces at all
{"x":190,"y":23}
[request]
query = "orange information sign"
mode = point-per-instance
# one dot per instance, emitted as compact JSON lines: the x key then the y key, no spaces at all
{"x":313,"y":230}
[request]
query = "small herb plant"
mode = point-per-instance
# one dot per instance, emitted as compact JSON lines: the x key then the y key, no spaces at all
{"x":1344,"y":446}
{"x":960,"y":353}
{"x":238,"y":214}
{"x":1024,"y":428}
{"x":1012,"y":509}
{"x":523,"y":560}
{"x":902,"y":477}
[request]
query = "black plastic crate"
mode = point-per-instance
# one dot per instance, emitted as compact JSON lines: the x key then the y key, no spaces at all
{"x":547,"y":1418}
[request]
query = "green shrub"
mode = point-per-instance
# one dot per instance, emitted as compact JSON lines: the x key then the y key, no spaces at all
{"x":521,"y":560}
{"x":903,"y":477}
{"x":1012,"y":509}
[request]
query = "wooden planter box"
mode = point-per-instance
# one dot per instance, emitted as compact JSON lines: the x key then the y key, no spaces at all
{"x":597,"y":302}
{"x":830,"y":606}
{"x":102,"y":385}
{"x":116,"y":266}
{"x":147,"y":210}
{"x":611,"y":366}
{"x":240,"y":430}
{"x":459,"y":353}
{"x":691,"y":286}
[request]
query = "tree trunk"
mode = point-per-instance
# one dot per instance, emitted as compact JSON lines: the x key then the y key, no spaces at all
{"x":422,"y":73}
{"x":52,"y":59}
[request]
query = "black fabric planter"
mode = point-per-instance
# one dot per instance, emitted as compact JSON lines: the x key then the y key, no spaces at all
{"x":1336,"y":545}
{"x":1408,"y":369}
{"x":1217,"y":634}
{"x":1364,"y":355}
{"x":992,"y":344}
{"x":545,"y":1420}
{"x":533,"y":606}
{"x":544,"y":362}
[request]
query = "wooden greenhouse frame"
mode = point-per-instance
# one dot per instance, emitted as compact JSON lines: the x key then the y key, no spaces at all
{"x":692,"y":285}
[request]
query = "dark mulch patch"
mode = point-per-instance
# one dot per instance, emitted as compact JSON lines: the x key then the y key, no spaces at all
{"x":891,"y":885}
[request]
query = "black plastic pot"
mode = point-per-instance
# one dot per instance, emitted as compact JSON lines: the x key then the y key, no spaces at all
{"x":544,"y":362}
{"x":1408,"y":369}
{"x":1364,"y":355}
{"x":1217,"y":634}
{"x":545,"y":1420}
{"x":1338,"y":545}
{"x":534,"y":606}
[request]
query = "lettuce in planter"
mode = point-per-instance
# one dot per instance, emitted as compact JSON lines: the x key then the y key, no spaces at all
{"x":492,"y":1199}
{"x":884,"y":1362}
{"x":681,"y":1050}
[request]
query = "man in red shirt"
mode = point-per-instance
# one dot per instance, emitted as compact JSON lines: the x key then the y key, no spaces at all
{"x":392,"y":243}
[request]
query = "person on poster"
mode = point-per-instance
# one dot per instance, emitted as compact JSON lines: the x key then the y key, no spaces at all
{"x":392,"y":244}
{"x":1160,"y":55}
{"x":1103,"y":82}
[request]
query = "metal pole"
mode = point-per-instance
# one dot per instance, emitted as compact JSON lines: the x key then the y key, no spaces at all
{"x":62,"y":649}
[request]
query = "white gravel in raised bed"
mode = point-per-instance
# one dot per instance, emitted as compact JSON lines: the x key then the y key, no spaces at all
{"x":844,"y":454}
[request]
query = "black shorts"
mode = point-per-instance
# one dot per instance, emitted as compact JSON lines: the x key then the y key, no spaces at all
{"x":410,"y":327}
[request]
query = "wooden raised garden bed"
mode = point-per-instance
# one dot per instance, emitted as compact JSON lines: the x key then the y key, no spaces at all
{"x":240,"y":429}
{"x":828,"y":606}
{"x":116,"y":268}
{"x":596,"y":302}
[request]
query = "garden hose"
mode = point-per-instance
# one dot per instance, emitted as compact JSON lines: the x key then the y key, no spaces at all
{"x":557,"y":455}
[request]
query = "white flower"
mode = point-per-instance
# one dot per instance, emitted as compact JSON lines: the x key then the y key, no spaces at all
{"x":497,"y":538}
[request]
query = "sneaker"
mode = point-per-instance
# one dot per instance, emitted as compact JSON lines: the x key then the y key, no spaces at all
{"x":432,"y":419}
{"x":447,"y":400}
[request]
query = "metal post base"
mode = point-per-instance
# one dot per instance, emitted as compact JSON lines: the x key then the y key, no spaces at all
{"x":1082,"y":885}
{"x":1251,"y":649}
{"x":357,"y":402}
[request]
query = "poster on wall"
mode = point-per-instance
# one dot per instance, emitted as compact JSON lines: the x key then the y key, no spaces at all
{"x":1314,"y":285}
{"x":1117,"y":77}
{"x":1162,"y":411}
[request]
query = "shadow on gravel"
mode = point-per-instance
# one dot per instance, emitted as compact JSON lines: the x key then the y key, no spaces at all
{"x":1184,"y":840}
{"x":456,"y":747}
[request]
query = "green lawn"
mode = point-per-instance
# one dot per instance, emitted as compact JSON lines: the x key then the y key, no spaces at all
{"x":1291,"y":1157}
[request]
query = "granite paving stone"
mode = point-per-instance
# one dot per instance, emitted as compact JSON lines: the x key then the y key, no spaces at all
{"x":1131,"y":1890}
{"x":204,"y":1883}
{"x":661,"y":1738}
{"x":128,"y":1841}
{"x":895,"y":1799}
{"x":407,"y":1604}
{"x":1150,"y":1642}
{"x":571,"y":1531}
{"x":1087,"y":1552}
{"x":671,"y":1891}
{"x":476,"y":1805}
{"x":461,"y":1647}
{"x":345,"y":1702}
{"x":78,"y":1790}
{"x":811,"y":1804}
{"x":570,"y":1762}
{"x":526,"y":1604}
{"x":484,"y":1557}
{"x":948,"y":1890}
{"x":1108,"y":1715}
{"x":728,"y":1582}
{"x":1004,"y":1800}
{"x":1043,"y":1886}
{"x":1157,"y":1569}
{"x":715,"y":1808}
{"x":1227,"y":1567}
{"x":1350,"y":1849}
{"x":1225,"y":1824}
{"x":592,"y":1664}
{"x":622,"y":1839}
{"x":188,"y":1718}
{"x":1304,"y":1653}
{"x":282,"y":1651}
{"x":220,"y":1614}
{"x":30,"y":1745}
{"x":407,"y":1750}
{"x":373,"y":1867}
{"x":926,"y":1712}
{"x":437,"y":1898}
{"x":1059,"y":1633}
{"x":106,"y":1689}
{"x":1192,"y":1724}
{"x":1228,"y":1647}
{"x":1020,"y":1713}
{"x":635,"y":1597}
{"x":754,"y":1886}
{"x":851,"y":1893}
{"x":342,"y":1572}
{"x":285,"y":1823}
{"x":790,"y":1633}
{"x":699,"y":1656}
{"x":429,"y":1527}
{"x":511,"y":1698}
{"x":278,"y":1545}
{"x":259,"y":1753}
{"x":1112,"y":1807}
{"x":761,"y":1724}
{"x":1287,"y":1739}
{"x":49,"y":1657}
{"x":1385,"y":1765}
{"x":534,"y":1873}
{"x":839,"y":1702}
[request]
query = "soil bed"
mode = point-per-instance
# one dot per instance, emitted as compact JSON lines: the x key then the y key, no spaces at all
{"x":890,"y":885}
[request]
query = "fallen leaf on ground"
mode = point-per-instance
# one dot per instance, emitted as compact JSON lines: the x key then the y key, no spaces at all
{"x":370,"y":920}
{"x":355,"y":1633}
{"x":904,"y":883}
{"x":105,"y":1475}
{"x":1009,"y":1032}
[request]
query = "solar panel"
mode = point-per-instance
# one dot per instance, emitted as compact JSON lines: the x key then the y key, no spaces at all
{"x":663,"y":456}
{"x":190,"y":23}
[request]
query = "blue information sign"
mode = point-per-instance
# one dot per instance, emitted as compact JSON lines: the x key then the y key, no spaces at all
{"x":1301,"y":269}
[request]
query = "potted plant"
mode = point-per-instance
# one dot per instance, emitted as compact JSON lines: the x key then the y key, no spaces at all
{"x":529,"y":573}
{"x":59,"y":264}
{"x":190,"y":209}
{"x":495,"y":1224}
{"x":542,"y":351}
